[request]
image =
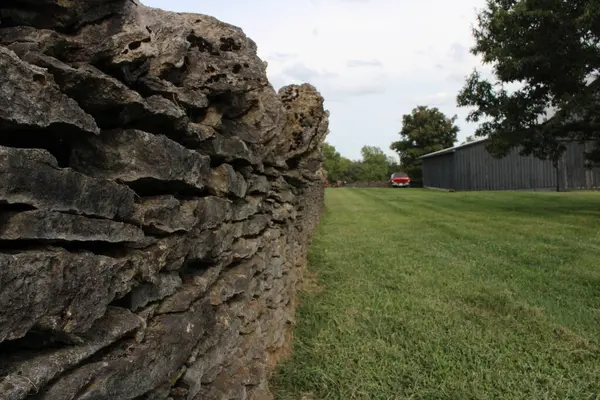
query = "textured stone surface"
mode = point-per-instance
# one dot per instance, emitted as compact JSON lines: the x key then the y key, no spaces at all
{"x":136,"y":156}
{"x":29,"y":373}
{"x":53,"y":226}
{"x":29,"y":98}
{"x":107,"y":99}
{"x":166,"y":214}
{"x":57,"y":14}
{"x":226,"y":181}
{"x":157,"y":198}
{"x":61,"y":290}
{"x":32,"y":177}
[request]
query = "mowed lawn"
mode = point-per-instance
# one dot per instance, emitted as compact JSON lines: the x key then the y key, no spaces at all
{"x":431,"y":295}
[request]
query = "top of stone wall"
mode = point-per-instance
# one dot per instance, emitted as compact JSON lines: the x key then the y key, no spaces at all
{"x":190,"y":77}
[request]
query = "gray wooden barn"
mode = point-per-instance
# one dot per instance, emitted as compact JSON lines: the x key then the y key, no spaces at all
{"x":470,"y":167}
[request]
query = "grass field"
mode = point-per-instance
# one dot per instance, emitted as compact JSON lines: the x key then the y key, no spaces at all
{"x":432,"y":295}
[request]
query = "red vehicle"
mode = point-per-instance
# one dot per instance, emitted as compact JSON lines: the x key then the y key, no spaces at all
{"x":400,"y":179}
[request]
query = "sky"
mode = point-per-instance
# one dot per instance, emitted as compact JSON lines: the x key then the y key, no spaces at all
{"x":372,"y":60}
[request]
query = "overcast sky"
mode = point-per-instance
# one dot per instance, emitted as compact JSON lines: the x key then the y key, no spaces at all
{"x":372,"y":60}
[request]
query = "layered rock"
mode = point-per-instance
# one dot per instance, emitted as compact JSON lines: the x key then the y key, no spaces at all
{"x":157,"y":198}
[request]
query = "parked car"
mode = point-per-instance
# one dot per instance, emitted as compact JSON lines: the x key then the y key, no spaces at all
{"x":400,"y":179}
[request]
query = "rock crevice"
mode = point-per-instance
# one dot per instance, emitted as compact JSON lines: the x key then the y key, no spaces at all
{"x":157,"y":199}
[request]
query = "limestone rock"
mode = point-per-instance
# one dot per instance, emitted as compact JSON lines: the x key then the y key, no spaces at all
{"x":255,"y":225}
{"x":179,"y":189}
{"x":131,"y":371}
{"x":30,"y":374}
{"x":196,"y":135}
{"x":134,"y":156}
{"x":246,"y":208}
{"x":282,"y":196}
{"x":107,"y":99}
{"x":32,"y":177}
{"x":260,"y":123}
{"x":258,"y":184}
{"x":201,"y":244}
{"x":245,"y":248}
{"x":64,"y":291}
{"x":30,"y":99}
{"x":224,"y":238}
{"x":307,"y":123}
{"x":158,"y":115}
{"x":165,"y":214}
{"x":220,"y":58}
{"x":57,"y":14}
{"x":282,"y":212}
{"x":233,"y":282}
{"x":190,"y":99}
{"x":229,"y":150}
{"x":164,"y":285}
{"x":54,"y":226}
{"x":224,"y":180}
{"x":193,"y":287}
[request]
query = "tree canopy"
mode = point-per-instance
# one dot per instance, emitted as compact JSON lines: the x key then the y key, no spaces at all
{"x":424,"y":130}
{"x":469,"y":139}
{"x":334,"y":162}
{"x":374,"y":165}
{"x":549,"y":50}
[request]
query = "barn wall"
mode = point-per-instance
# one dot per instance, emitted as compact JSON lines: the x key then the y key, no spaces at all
{"x":476,"y":169}
{"x":438,"y":172}
{"x":473,"y":168}
{"x":574,"y":175}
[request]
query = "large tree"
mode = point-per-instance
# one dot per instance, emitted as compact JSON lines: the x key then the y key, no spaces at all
{"x":335,"y":164}
{"x":424,"y":130}
{"x":393,"y":166}
{"x":545,"y":56}
{"x":374,"y":164}
{"x":332,"y":162}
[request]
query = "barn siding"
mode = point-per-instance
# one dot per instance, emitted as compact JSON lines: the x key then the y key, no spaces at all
{"x":438,"y":172}
{"x":471,"y":167}
{"x":574,"y":174}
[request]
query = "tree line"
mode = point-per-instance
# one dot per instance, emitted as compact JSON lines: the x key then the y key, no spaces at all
{"x":424,"y":130}
{"x":374,"y":165}
{"x":545,"y":91}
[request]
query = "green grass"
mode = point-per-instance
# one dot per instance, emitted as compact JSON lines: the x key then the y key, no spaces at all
{"x":433,"y":295}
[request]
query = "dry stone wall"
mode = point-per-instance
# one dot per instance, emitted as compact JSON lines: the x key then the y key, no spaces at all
{"x":157,"y":198}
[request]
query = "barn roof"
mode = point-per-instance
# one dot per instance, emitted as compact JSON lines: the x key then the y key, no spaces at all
{"x":453,"y":149}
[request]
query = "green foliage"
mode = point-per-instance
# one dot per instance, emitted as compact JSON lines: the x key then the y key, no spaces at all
{"x":333,"y":163}
{"x":374,"y":166}
{"x":549,"y":50}
{"x":424,"y":130}
{"x":469,"y":139}
{"x":393,"y":166}
{"x":429,"y":295}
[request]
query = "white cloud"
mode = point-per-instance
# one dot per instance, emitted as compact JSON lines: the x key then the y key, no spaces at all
{"x":364,"y":63}
{"x":281,"y":57}
{"x":373,"y":60}
{"x":458,"y":52}
{"x":300,"y":72}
